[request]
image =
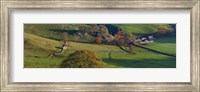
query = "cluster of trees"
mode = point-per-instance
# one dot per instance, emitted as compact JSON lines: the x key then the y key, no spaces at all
{"x":94,"y":30}
{"x":104,"y":39}
{"x":82,"y":59}
{"x":124,"y":39}
{"x":165,"y":30}
{"x":102,"y":35}
{"x":101,"y":29}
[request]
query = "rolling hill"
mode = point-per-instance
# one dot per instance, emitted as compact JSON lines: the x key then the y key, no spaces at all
{"x":37,"y":49}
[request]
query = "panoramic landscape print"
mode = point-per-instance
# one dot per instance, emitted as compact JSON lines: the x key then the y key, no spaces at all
{"x":99,"y":45}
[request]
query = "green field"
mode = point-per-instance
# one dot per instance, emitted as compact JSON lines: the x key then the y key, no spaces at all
{"x":39,"y":42}
{"x":138,"y":28}
{"x":166,"y":45}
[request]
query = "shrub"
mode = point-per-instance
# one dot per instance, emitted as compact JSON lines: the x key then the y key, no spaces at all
{"x":82,"y":59}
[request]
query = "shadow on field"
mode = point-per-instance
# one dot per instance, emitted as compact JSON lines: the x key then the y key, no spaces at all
{"x":143,"y":63}
{"x":166,"y":40}
{"x":70,"y":32}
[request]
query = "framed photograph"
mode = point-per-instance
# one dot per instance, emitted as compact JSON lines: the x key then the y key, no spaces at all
{"x":133,"y":45}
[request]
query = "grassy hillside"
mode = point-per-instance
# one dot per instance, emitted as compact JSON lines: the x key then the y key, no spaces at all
{"x":32,"y":41}
{"x":54,"y":31}
{"x":38,"y":48}
{"x":138,"y":28}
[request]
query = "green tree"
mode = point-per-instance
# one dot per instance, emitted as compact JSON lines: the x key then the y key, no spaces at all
{"x":124,"y":39}
{"x":82,"y":59}
{"x":103,"y":29}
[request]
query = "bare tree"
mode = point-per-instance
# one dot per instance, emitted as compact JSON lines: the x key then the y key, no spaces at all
{"x":63,"y":47}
